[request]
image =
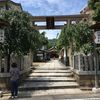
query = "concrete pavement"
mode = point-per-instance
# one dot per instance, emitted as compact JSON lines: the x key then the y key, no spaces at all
{"x":86,"y":96}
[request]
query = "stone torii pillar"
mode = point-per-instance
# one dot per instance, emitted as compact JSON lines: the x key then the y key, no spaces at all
{"x":65,"y":53}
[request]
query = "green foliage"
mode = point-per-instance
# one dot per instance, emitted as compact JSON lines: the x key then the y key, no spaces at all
{"x":78,"y":37}
{"x":34,"y":39}
{"x":19,"y":36}
{"x":43,"y":39}
{"x":52,"y":42}
{"x":95,"y":6}
{"x":16,"y":35}
{"x":83,"y":35}
{"x":66,"y":36}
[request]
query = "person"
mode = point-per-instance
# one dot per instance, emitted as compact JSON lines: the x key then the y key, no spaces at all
{"x":14,"y":77}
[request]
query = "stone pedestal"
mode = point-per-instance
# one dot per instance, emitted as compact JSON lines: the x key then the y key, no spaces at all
{"x":95,"y":90}
{"x":1,"y":93}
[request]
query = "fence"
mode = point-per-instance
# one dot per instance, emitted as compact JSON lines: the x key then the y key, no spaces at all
{"x":23,"y":62}
{"x":85,"y":64}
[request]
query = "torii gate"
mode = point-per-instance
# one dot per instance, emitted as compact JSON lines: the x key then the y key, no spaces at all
{"x":50,"y":20}
{"x":50,"y":23}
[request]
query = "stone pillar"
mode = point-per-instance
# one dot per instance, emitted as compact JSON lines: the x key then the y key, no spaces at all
{"x":65,"y":56}
{"x":79,"y":63}
{"x":4,"y":63}
{"x":68,"y":22}
{"x":73,"y":62}
{"x":0,"y":63}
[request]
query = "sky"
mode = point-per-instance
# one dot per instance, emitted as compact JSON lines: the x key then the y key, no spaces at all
{"x":52,"y":7}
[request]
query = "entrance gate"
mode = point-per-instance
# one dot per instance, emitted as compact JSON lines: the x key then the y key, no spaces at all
{"x":50,"y":21}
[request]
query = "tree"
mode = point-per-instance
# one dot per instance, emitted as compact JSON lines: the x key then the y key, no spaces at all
{"x":66,"y":37}
{"x":95,"y":6}
{"x":83,"y":38}
{"x":52,"y":43}
{"x":34,"y":39}
{"x":43,"y":39}
{"x":78,"y":37}
{"x":17,"y":35}
{"x":39,"y":42}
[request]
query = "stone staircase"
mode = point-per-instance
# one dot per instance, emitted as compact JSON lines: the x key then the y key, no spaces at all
{"x":48,"y":79}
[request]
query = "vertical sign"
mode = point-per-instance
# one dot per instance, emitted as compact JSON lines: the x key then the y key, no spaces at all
{"x":1,"y":35}
{"x":97,"y":37}
{"x":50,"y":22}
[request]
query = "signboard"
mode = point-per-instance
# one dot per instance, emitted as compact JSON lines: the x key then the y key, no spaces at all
{"x":50,"y":22}
{"x":97,"y":37}
{"x":39,"y":54}
{"x":1,"y":35}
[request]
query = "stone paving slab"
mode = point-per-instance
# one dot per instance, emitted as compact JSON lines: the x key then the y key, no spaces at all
{"x":54,"y":64}
{"x":56,"y":93}
{"x":83,"y":96}
{"x":51,"y":92}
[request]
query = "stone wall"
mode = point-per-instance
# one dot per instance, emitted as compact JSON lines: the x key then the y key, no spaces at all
{"x":84,"y":69}
{"x":24,"y":63}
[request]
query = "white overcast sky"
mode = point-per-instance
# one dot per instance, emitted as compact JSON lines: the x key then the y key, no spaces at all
{"x":52,"y":7}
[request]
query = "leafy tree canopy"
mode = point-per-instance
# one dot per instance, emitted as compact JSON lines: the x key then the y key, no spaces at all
{"x":19,"y":36}
{"x":78,"y":37}
{"x":95,"y":6}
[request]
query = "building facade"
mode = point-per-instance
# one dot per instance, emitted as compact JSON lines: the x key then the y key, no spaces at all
{"x":10,"y":5}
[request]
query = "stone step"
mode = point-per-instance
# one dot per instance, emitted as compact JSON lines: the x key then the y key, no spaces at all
{"x":47,"y":85}
{"x":52,"y":71}
{"x":50,"y":74}
{"x":86,"y":88}
{"x":51,"y":68}
{"x":50,"y":79}
{"x":25,"y":94}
